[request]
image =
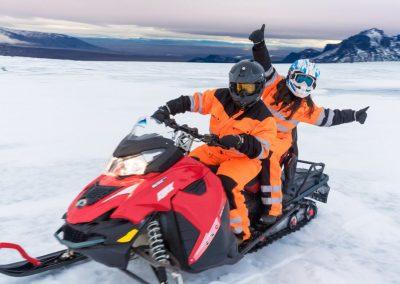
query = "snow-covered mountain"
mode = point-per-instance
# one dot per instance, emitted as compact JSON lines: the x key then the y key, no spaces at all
{"x":369,"y":45}
{"x":60,"y":46}
{"x":54,"y":46}
{"x":44,"y":40}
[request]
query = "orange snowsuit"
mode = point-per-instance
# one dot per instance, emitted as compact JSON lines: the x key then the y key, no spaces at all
{"x":271,"y":178}
{"x":235,"y":168}
{"x":272,"y":188}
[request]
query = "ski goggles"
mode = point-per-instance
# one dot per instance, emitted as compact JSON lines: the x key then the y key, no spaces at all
{"x":303,"y":78}
{"x":249,"y":88}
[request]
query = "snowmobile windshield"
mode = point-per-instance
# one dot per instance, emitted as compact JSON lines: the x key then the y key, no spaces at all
{"x":148,"y":148}
{"x":148,"y":126}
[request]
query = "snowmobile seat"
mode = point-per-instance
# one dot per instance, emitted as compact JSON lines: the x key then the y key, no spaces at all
{"x":253,"y":186}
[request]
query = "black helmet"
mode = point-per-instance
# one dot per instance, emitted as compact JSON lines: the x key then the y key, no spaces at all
{"x":246,"y":82}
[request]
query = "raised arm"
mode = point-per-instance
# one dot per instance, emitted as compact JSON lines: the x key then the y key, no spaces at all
{"x":261,"y":54}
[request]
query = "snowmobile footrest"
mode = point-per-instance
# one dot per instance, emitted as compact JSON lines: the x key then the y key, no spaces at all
{"x":48,"y":262}
{"x":134,"y":276}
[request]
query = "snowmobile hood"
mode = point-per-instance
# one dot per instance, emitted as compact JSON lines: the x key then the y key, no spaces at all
{"x":135,"y":197}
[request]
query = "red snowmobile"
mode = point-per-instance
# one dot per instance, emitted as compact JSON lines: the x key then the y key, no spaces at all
{"x":157,"y":203}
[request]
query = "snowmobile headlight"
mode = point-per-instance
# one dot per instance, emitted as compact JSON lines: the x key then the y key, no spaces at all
{"x":131,"y":165}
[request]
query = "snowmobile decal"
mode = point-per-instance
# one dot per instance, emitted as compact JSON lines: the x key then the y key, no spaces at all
{"x":207,"y":238}
{"x":128,"y":237}
{"x":154,"y":185}
{"x":165,"y":191}
{"x":128,"y":190}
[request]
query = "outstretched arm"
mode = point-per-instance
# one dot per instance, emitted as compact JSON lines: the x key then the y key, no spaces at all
{"x":328,"y":117}
{"x":261,"y":54}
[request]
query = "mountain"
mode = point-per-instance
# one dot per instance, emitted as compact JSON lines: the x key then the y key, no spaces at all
{"x":214,"y":58}
{"x":178,"y":50}
{"x":43,"y":40}
{"x":307,"y":53}
{"x":57,"y":46}
{"x":369,"y":45}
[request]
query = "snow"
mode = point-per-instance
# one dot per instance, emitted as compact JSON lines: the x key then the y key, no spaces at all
{"x":6,"y":39}
{"x":326,"y":54}
{"x":31,"y":34}
{"x":60,"y":122}
{"x":375,"y":35}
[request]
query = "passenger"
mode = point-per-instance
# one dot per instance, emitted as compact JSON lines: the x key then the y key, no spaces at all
{"x":243,"y":125}
{"x":289,"y":100}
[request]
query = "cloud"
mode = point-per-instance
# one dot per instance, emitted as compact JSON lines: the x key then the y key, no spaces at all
{"x":325,"y":19}
{"x":135,"y":31}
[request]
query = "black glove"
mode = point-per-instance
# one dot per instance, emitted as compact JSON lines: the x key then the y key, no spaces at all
{"x":231,"y":141}
{"x":161,"y":114}
{"x":258,"y":35}
{"x":361,"y":115}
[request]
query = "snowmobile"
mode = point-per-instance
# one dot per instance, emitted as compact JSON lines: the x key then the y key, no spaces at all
{"x":157,"y":203}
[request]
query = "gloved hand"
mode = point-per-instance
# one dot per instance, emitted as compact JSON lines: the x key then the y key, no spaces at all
{"x":257,"y":36}
{"x":361,"y":115}
{"x":161,"y":114}
{"x":231,"y":141}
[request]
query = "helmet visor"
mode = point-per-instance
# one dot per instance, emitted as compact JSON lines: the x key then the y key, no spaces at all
{"x":249,"y":88}
{"x":303,"y":78}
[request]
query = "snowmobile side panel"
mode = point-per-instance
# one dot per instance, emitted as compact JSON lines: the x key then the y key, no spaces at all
{"x":222,"y":250}
{"x":181,"y":237}
{"x":203,"y":211}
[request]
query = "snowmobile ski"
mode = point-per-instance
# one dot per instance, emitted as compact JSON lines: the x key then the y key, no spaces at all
{"x":48,"y":262}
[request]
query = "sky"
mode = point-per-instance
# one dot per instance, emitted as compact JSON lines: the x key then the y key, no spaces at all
{"x":313,"y":22}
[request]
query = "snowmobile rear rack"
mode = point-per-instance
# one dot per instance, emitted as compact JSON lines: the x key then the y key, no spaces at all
{"x":318,"y":191}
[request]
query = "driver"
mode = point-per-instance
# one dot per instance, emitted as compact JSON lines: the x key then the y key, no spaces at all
{"x":243,"y":125}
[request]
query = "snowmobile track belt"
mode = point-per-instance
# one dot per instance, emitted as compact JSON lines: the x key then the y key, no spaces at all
{"x":279,"y":235}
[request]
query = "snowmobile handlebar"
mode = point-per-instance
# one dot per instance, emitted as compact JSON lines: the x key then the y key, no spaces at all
{"x":209,"y":139}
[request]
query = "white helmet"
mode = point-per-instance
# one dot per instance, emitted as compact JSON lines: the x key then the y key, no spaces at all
{"x":302,"y":77}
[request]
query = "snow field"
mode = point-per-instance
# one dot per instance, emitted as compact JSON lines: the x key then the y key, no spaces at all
{"x":61,"y":120}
